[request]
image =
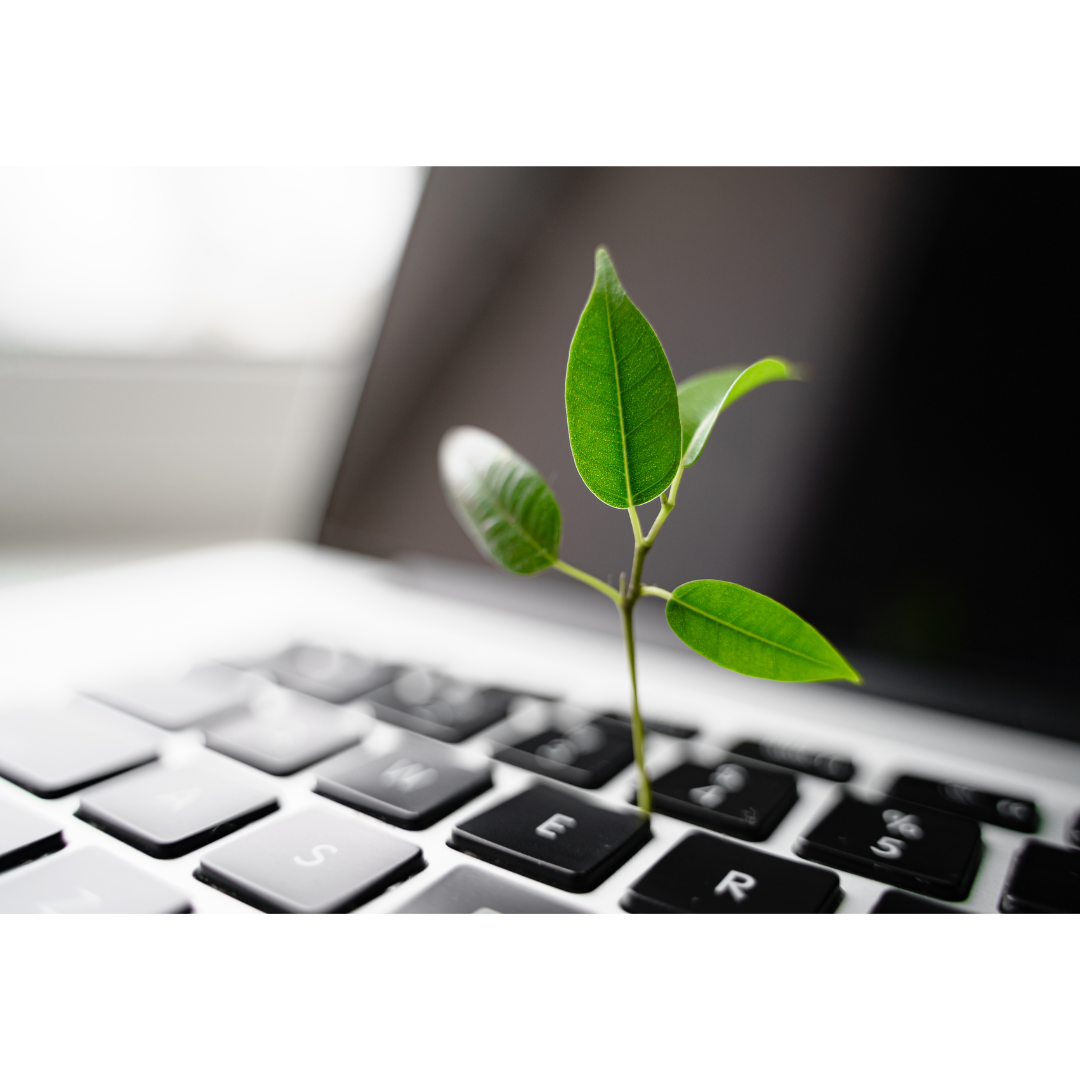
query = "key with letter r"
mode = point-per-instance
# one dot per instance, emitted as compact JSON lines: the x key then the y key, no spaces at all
{"x":706,"y":874}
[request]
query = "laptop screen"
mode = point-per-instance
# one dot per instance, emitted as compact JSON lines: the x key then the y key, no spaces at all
{"x":911,"y":499}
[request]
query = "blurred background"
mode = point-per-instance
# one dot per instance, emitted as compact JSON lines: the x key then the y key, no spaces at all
{"x":182,"y":353}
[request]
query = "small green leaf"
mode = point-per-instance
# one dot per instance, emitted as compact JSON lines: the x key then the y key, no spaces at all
{"x":704,"y":397}
{"x":622,"y":407}
{"x":501,"y":501}
{"x":740,"y":629}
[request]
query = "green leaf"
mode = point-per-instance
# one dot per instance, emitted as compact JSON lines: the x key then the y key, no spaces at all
{"x":704,"y":397}
{"x":622,"y":407}
{"x":501,"y":501}
{"x":740,"y":629}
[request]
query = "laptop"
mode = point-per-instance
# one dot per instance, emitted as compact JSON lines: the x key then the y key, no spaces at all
{"x":380,"y":723}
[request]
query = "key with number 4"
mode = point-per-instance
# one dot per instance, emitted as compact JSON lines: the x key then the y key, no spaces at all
{"x":743,"y":800}
{"x":902,"y":844}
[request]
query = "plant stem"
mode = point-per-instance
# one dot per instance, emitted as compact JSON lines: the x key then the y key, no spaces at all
{"x":637,"y":728}
{"x":629,"y":592}
{"x":588,"y":579}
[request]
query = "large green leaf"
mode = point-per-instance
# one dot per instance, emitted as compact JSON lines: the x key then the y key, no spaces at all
{"x":501,"y":501}
{"x":740,"y":629}
{"x":704,"y":397}
{"x":622,"y":407}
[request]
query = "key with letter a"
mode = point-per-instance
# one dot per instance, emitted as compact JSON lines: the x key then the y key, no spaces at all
{"x":706,"y":874}
{"x":169,"y":812}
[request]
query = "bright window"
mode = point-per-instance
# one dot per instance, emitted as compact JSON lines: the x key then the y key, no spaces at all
{"x":262,"y":264}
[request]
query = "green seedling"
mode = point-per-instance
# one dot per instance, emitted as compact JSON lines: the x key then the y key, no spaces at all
{"x":633,"y":434}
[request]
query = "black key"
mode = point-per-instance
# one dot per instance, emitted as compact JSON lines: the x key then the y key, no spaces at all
{"x":283,"y":732}
{"x":169,"y":812}
{"x":919,"y":849}
{"x":587,"y":756}
{"x":439,"y":707}
{"x":554,"y":836}
{"x":330,"y":674}
{"x":894,"y":902}
{"x":704,"y":874}
{"x":55,"y":753}
{"x":794,"y":756}
{"x":25,"y":836}
{"x":669,"y":728}
{"x":413,"y":787}
{"x":310,"y":862}
{"x":87,"y":881}
{"x":468,"y":891}
{"x":1007,"y":811}
{"x":1072,"y":831}
{"x":732,"y":797}
{"x":203,"y":696}
{"x":1042,"y":879}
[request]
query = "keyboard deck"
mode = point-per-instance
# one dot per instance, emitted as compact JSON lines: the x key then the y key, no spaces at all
{"x":272,"y":728}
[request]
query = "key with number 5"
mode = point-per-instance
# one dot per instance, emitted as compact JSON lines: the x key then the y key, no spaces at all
{"x":914,"y":847}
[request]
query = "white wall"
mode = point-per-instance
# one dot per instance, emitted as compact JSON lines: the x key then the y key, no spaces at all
{"x":118,"y":452}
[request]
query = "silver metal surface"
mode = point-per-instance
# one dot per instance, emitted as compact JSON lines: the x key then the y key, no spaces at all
{"x":160,"y":618}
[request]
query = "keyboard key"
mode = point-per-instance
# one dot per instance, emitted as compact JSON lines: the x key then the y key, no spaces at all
{"x":468,"y":891}
{"x":669,"y":728}
{"x":894,"y":902}
{"x":283,"y":732}
{"x":169,"y":812}
{"x":704,"y":874}
{"x":1006,"y":811}
{"x":87,"y":881}
{"x":25,"y":835}
{"x":1042,"y":879}
{"x":203,"y":696}
{"x":554,"y":836}
{"x":330,"y":674}
{"x":735,"y":798}
{"x":914,"y":847}
{"x":413,"y":787}
{"x":800,"y":758}
{"x":310,"y":862}
{"x":55,"y":753}
{"x":439,"y":707}
{"x":587,"y":755}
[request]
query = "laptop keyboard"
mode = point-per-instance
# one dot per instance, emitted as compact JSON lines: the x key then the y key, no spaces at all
{"x":315,"y":780}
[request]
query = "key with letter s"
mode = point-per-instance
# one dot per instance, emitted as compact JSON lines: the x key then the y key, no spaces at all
{"x":314,"y":861}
